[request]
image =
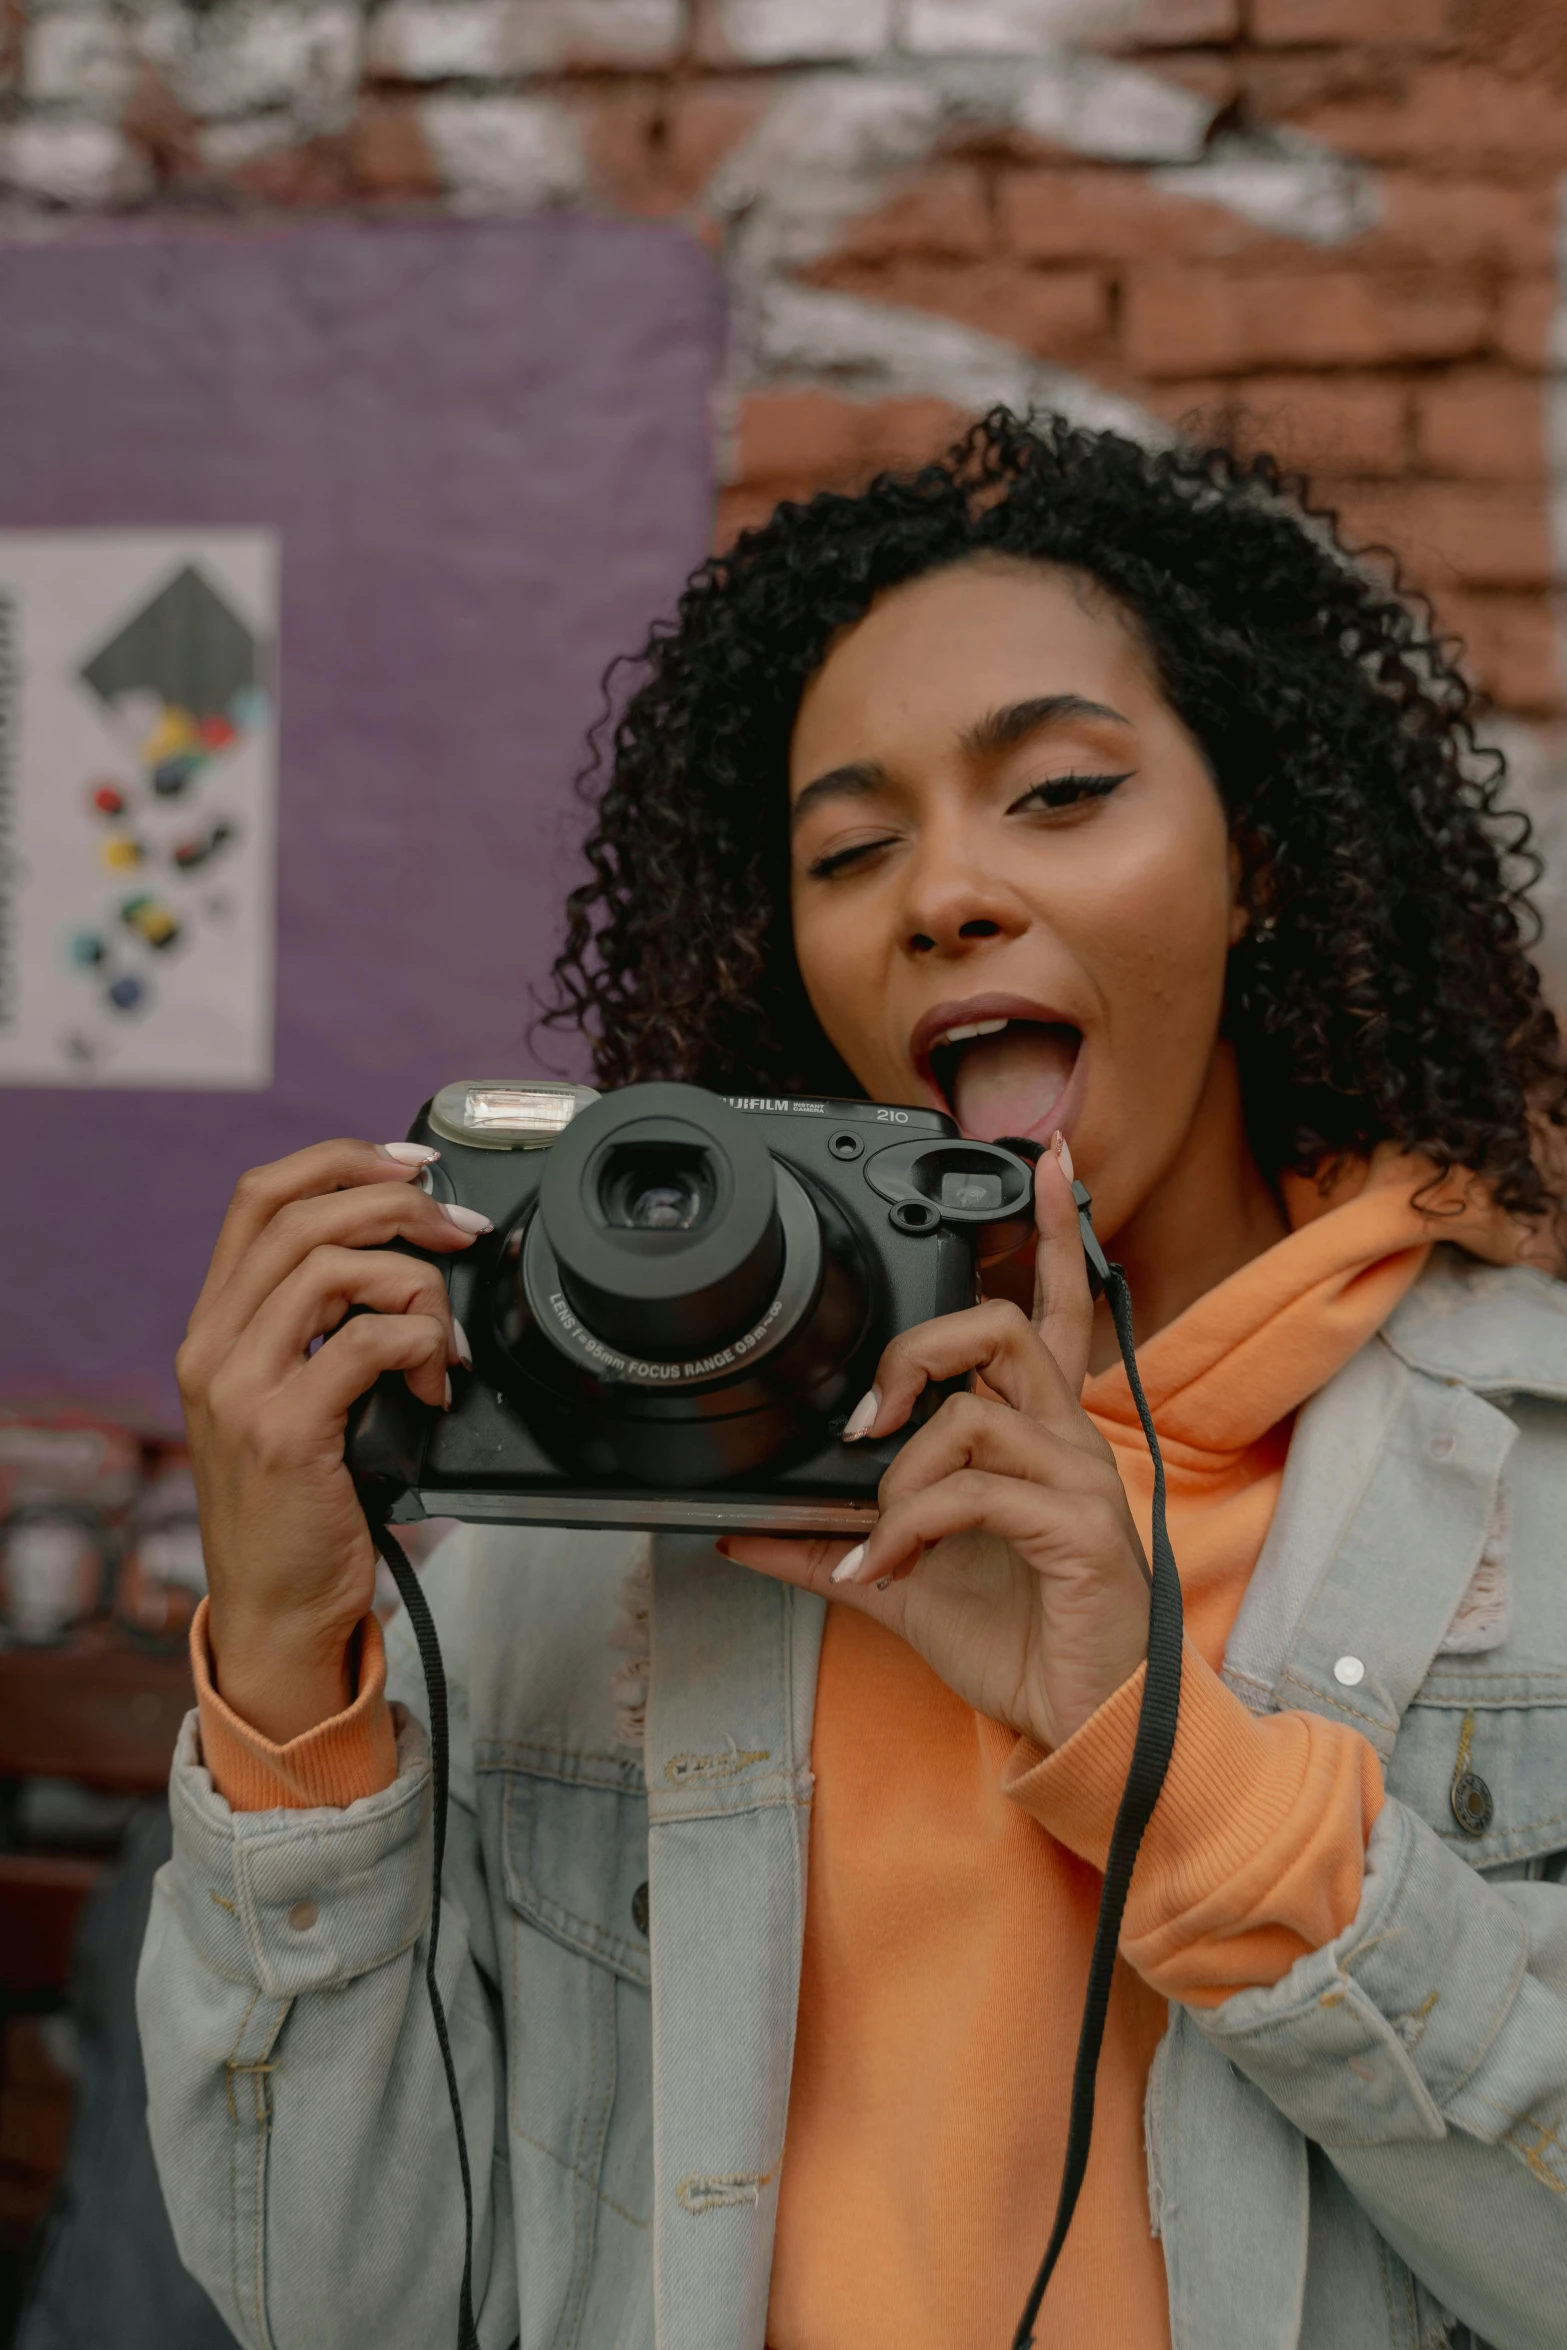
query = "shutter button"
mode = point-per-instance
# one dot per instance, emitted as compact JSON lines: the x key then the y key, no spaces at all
{"x":1350,"y":1671}
{"x":639,"y":1910}
{"x":303,"y":1916}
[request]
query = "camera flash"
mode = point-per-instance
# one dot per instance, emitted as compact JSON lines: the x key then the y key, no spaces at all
{"x":506,"y":1114}
{"x":518,"y":1109}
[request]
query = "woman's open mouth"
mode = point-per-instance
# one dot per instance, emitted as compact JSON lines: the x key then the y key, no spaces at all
{"x":997,"y":1070}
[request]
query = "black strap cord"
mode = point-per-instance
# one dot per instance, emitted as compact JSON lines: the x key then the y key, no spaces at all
{"x":423,"y":1623}
{"x":1151,"y":1751}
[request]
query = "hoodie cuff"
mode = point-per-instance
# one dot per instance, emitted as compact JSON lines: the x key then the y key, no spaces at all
{"x":1256,"y":1850}
{"x":339,"y":1762}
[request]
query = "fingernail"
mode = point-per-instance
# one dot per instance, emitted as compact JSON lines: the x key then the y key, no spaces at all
{"x":863,"y":1417}
{"x":844,"y":1571}
{"x":1058,"y":1144}
{"x":408,"y":1154}
{"x":467,"y":1219}
{"x":448,"y":1396}
{"x":460,"y":1341}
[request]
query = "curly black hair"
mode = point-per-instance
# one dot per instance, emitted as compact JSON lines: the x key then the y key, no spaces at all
{"x":1383,"y":990}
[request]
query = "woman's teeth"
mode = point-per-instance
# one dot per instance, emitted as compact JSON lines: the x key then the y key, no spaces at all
{"x":962,"y":1035}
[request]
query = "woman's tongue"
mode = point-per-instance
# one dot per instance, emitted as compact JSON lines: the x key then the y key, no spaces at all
{"x":1011,"y":1083}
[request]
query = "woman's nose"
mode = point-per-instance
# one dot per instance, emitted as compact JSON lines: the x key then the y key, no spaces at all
{"x":953,"y":907}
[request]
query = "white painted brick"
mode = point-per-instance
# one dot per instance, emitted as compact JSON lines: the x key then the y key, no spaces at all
{"x":439,"y":40}
{"x":78,"y":57}
{"x":791,"y":32}
{"x":826,"y":151}
{"x":460,"y":40}
{"x":639,"y":30}
{"x":833,"y":143}
{"x":828,"y":142}
{"x":504,"y":154}
{"x":1113,"y":111}
{"x":1281,"y":181}
{"x":228,"y":146}
{"x":243,"y":56}
{"x":879,"y":351}
{"x":1006,"y":28}
{"x":67,"y":160}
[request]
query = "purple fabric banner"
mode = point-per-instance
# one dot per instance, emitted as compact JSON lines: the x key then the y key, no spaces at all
{"x":485,"y":449}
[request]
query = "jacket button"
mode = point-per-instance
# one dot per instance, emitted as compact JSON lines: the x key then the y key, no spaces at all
{"x":639,"y":1910}
{"x":1474,"y":1806}
{"x":1349,"y":1671}
{"x":303,"y":1916}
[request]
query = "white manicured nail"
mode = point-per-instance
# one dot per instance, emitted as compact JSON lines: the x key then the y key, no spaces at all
{"x":848,"y":1566}
{"x":467,"y":1219}
{"x":460,"y":1341}
{"x":409,"y":1154}
{"x":863,"y":1417}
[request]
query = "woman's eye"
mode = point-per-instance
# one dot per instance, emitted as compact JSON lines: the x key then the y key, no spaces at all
{"x":1069,"y":791}
{"x":840,"y":860}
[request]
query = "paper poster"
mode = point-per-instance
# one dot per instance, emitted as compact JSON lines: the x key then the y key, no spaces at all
{"x":138,"y":771}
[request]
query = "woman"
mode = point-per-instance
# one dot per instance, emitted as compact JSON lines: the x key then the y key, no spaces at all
{"x":1095,"y":796}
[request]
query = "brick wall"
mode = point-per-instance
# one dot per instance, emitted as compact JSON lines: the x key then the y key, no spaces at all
{"x":1328,"y":224}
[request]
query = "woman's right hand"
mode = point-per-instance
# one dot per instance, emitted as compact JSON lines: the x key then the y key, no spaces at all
{"x":290,"y":1562}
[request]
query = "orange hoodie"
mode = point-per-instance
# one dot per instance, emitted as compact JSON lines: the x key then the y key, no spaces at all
{"x":954,"y":1871}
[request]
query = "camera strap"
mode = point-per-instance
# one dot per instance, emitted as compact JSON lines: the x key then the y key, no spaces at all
{"x":1151,"y":1750}
{"x":434,"y":1671}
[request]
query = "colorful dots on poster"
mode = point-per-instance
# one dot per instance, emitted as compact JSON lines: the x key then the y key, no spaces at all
{"x":150,"y":920}
{"x":176,"y":731}
{"x":201,"y":847}
{"x":161,"y":836}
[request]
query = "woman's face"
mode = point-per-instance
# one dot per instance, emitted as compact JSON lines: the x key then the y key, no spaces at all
{"x":1013,"y":888}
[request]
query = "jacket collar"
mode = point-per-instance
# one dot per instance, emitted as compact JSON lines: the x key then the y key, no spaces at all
{"x":1498,"y":1331}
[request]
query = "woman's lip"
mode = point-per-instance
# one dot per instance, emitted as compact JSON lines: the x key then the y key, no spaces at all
{"x":964,"y":1012}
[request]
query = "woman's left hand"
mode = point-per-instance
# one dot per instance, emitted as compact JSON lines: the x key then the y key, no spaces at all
{"x":1005,"y":1553}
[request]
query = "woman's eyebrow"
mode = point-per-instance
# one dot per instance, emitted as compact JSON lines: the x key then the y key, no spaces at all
{"x":1000,"y":730}
{"x":997,"y":731}
{"x":854,"y":781}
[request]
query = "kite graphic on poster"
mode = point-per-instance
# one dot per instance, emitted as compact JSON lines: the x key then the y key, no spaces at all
{"x":136,"y":803}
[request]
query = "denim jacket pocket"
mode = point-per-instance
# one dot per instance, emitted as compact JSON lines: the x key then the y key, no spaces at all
{"x":575,"y":1859}
{"x":1483,"y":1761}
{"x":571,"y":1842}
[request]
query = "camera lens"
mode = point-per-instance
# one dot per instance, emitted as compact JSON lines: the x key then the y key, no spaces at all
{"x":653,"y":1190}
{"x":660,"y":1205}
{"x":664,"y":1207}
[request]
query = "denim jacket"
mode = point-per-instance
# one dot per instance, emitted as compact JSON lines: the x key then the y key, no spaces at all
{"x":1368,"y":2155}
